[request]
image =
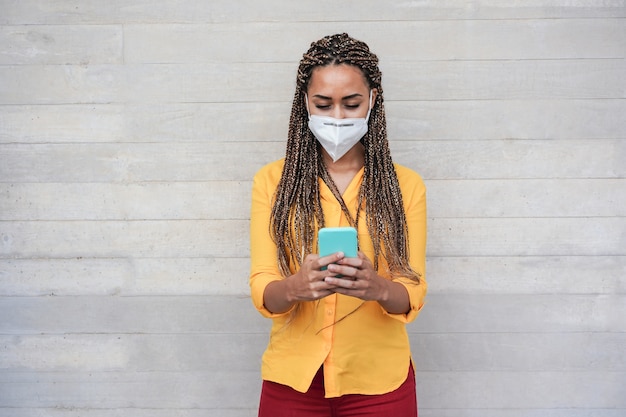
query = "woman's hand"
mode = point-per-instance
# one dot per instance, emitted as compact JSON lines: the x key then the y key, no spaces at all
{"x":307,"y":284}
{"x":360,"y":279}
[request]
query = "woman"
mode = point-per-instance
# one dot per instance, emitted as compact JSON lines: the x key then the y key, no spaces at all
{"x":338,"y":345}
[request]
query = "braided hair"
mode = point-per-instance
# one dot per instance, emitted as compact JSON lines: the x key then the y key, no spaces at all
{"x":297,"y":212}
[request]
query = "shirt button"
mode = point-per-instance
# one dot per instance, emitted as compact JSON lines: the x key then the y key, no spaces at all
{"x":329,"y":312}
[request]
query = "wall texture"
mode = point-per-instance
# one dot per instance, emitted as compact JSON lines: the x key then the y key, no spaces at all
{"x":129,"y":134}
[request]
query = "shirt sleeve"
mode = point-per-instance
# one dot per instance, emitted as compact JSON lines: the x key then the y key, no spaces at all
{"x":414,"y":198}
{"x":263,"y":251}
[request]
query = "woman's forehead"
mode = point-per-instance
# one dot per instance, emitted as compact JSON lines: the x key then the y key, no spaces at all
{"x":333,"y":77}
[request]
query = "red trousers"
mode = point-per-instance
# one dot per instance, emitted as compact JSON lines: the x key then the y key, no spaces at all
{"x":282,"y":401}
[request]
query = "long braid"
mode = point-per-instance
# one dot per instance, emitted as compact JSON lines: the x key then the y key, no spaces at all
{"x":297,"y":211}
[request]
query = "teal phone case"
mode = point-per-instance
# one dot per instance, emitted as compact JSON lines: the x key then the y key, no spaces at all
{"x":337,"y":239}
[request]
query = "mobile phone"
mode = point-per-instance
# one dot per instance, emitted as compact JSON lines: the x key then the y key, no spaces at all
{"x":337,"y":239}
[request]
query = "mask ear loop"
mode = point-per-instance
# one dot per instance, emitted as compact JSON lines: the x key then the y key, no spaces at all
{"x":367,"y":118}
{"x":306,"y":102}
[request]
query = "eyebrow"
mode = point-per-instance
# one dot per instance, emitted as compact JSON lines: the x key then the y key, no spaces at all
{"x":343,"y":98}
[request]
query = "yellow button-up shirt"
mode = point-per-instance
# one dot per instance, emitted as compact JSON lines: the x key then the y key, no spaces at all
{"x":363,"y":348}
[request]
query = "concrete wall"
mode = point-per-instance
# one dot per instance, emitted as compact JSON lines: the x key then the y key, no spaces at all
{"x":129,"y":134}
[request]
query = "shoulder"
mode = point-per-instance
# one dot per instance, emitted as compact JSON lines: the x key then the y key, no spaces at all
{"x":270,"y":174}
{"x":411,"y":186}
{"x":408,"y":178}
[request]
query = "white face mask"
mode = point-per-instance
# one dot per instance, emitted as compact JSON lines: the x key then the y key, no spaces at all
{"x":338,"y":136}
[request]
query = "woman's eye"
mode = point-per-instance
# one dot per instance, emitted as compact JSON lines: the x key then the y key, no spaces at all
{"x":352,"y":106}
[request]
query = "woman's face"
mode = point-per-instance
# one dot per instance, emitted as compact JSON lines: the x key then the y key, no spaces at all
{"x":339,"y":91}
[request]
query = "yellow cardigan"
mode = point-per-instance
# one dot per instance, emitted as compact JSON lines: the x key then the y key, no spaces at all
{"x":366,"y":353}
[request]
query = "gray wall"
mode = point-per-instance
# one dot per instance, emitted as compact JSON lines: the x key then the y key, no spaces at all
{"x":129,"y":134}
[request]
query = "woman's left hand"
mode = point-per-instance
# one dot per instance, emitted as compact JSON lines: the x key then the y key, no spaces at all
{"x":359,"y":279}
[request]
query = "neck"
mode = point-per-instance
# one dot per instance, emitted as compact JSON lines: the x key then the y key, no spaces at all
{"x":351,"y":161}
